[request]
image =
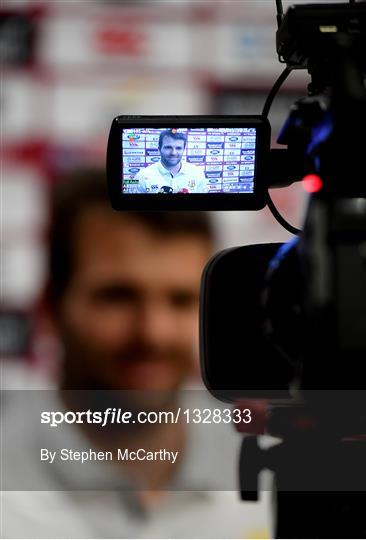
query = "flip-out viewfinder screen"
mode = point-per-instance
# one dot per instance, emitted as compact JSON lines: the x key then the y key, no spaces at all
{"x":187,"y":160}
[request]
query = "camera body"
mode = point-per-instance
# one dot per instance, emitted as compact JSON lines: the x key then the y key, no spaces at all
{"x":288,"y":336}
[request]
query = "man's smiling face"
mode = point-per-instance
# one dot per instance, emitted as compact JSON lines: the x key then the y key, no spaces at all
{"x":171,"y":152}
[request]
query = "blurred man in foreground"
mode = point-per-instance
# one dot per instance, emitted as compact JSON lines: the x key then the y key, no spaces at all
{"x":123,"y":299}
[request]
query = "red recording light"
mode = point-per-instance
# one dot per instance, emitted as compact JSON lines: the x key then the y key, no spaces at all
{"x":312,"y":183}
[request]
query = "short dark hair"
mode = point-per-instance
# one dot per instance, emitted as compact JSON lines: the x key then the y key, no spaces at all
{"x":177,"y":135}
{"x":87,"y":188}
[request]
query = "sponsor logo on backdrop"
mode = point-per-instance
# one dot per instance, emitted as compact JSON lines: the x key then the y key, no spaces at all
{"x":196,"y":151}
{"x":197,"y":138}
{"x":228,"y":160}
{"x":230,"y":177}
{"x":152,"y":138}
{"x":134,"y":144}
{"x":215,"y":138}
{"x":133,"y":151}
{"x":214,"y":168}
{"x":213,"y":174}
{"x":195,"y":146}
{"x":235,"y":152}
{"x":152,"y":145}
{"x":233,"y":145}
{"x":246,"y":180}
{"x":232,"y":188}
{"x":196,"y":159}
{"x":134,"y":161}
{"x":215,"y":145}
{"x":133,"y":138}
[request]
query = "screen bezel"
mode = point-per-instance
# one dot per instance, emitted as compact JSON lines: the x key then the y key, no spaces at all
{"x":192,"y":201}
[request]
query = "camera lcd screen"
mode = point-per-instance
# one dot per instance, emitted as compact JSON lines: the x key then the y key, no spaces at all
{"x":187,"y":162}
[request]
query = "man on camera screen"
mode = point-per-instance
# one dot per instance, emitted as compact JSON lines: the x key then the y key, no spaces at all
{"x":171,"y":174}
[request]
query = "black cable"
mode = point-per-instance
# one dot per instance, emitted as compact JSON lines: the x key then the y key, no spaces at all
{"x":275,"y":88}
{"x":281,"y":220}
{"x":277,"y":85}
{"x":279,"y":12}
{"x":279,"y":7}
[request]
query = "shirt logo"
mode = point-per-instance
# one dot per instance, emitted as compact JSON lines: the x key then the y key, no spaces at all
{"x":166,"y":189}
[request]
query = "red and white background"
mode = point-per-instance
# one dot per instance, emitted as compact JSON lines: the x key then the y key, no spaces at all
{"x":69,"y":67}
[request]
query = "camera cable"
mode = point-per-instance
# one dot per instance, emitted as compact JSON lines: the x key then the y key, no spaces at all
{"x":266,"y":108}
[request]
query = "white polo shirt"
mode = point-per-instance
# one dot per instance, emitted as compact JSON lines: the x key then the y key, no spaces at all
{"x":157,"y":179}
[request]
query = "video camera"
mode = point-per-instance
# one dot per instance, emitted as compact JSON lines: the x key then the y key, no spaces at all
{"x":281,"y":323}
{"x":324,"y":269}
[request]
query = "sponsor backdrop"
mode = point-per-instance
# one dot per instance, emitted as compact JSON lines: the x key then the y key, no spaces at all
{"x":227,"y":155}
{"x":70,"y":67}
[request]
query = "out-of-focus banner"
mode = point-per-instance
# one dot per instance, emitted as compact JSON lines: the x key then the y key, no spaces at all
{"x":220,"y":39}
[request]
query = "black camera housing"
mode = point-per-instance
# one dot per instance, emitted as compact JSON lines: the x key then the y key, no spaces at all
{"x":231,"y":315}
